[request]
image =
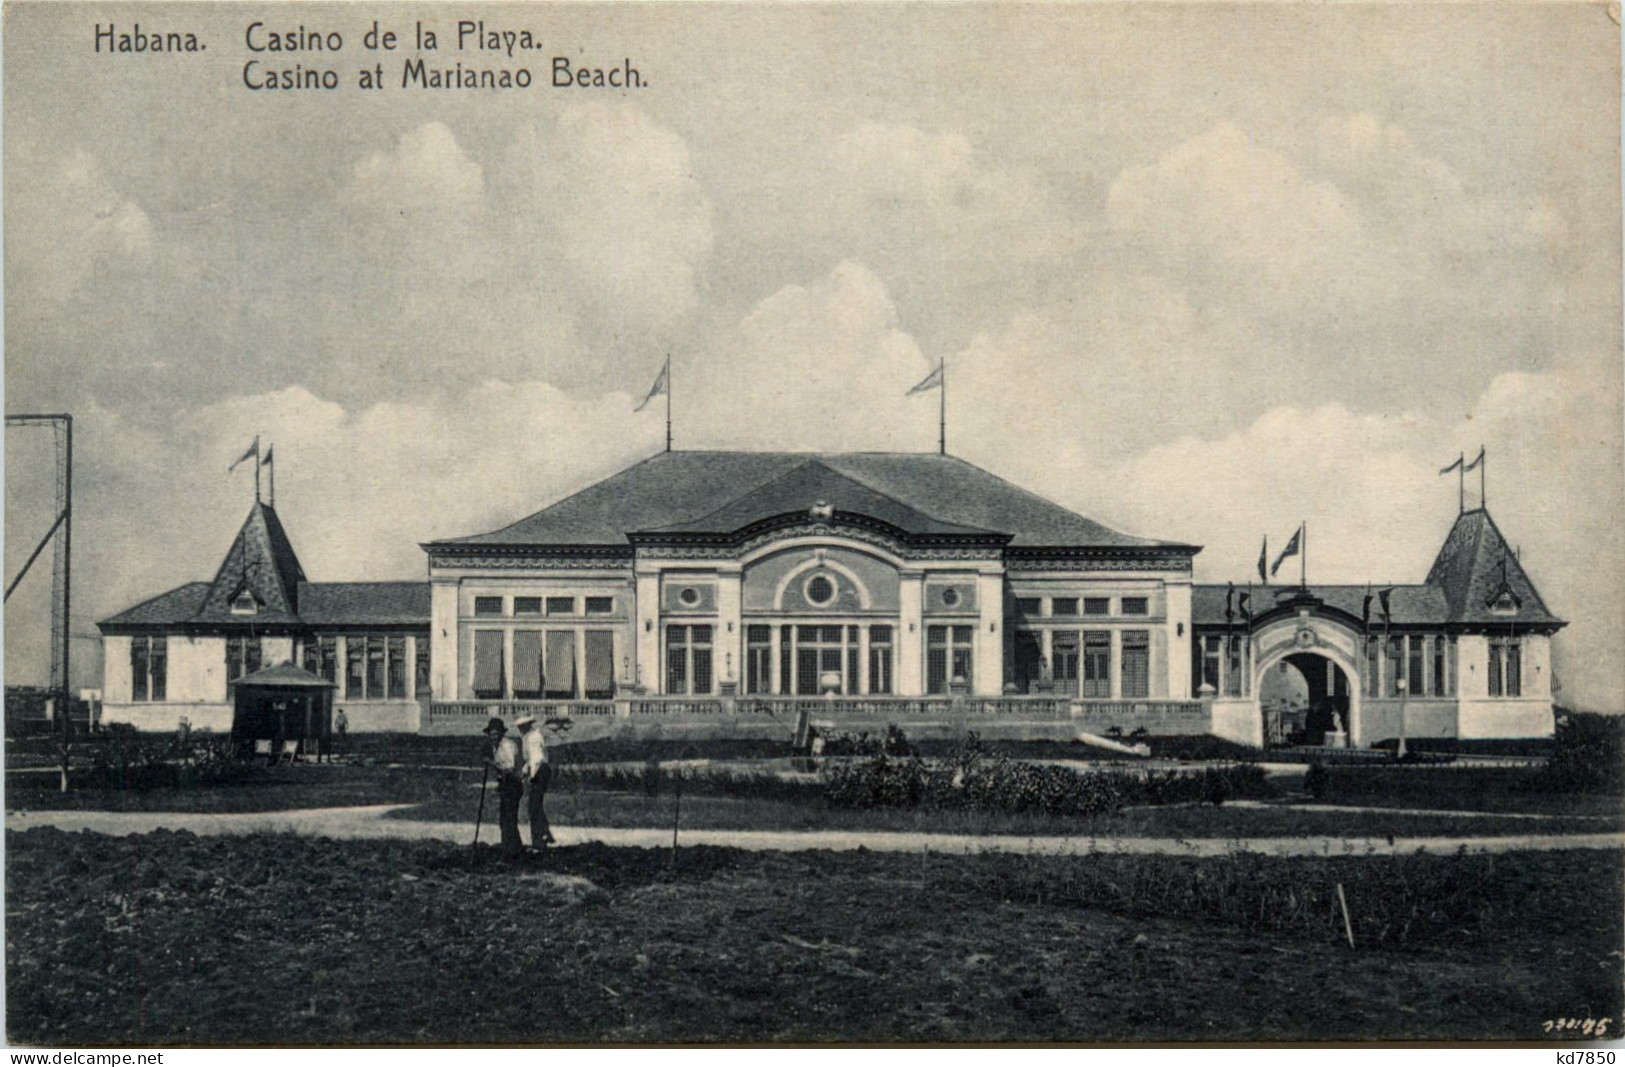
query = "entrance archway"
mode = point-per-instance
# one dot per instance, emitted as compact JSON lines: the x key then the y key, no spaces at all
{"x":1304,"y":697}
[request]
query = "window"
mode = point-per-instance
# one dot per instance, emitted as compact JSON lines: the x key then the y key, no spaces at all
{"x":1212,"y":651}
{"x":559,"y":680}
{"x":322,"y":657}
{"x":422,"y":685}
{"x":375,"y":668}
{"x":1232,"y":663}
{"x":245,"y":604}
{"x":600,"y":655}
{"x":1097,"y":664}
{"x":1414,"y":678}
{"x":1396,"y":665}
{"x":149,"y":668}
{"x":1097,"y":605}
{"x":758,"y":659}
{"x":1137,"y":662}
{"x":1064,"y":605}
{"x":1373,"y":669}
{"x":397,"y":667}
{"x":1028,"y":657}
{"x":488,"y":605}
{"x":1064,"y":661}
{"x":488,"y":673}
{"x":355,"y":661}
{"x":527,"y":664}
{"x":818,"y":652}
{"x":820,"y":591}
{"x":561,"y":605}
{"x":242,"y":658}
{"x":600,"y":605}
{"x":527,"y":605}
{"x":688,"y":660}
{"x":880,"y":660}
{"x":1441,"y":677}
{"x":1506,"y":668}
{"x":1136,"y":605}
{"x":1029,"y":605}
{"x":948,"y":654}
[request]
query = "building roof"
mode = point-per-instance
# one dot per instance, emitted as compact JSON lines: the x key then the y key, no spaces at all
{"x":363,"y":603}
{"x":282,"y":676}
{"x":1407,"y":604}
{"x":815,"y":482}
{"x":1475,"y":566}
{"x":261,"y":561}
{"x":684,"y":491}
{"x":165,"y":609}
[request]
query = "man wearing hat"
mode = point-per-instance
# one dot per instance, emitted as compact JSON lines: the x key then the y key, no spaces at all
{"x":538,"y":772}
{"x":508,"y":762}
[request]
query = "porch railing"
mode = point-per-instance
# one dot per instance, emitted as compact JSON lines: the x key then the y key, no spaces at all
{"x":780,"y":707}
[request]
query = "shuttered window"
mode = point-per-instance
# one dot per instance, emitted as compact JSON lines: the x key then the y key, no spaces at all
{"x":488,"y":682}
{"x":1136,"y":663}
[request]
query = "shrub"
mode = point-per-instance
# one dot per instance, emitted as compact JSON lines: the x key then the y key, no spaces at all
{"x":1315,"y":780}
{"x":127,"y":761}
{"x":1587,"y":753}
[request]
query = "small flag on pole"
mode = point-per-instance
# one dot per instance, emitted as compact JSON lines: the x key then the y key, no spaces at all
{"x":930,"y":382}
{"x":270,"y":452}
{"x":661,"y":386}
{"x":1229,"y":602}
{"x":252,"y":453}
{"x":1245,"y":603}
{"x":1459,"y":461}
{"x":1474,"y":464}
{"x":1365,"y":610}
{"x":1263,"y":560}
{"x":1292,"y":548}
{"x":1382,"y":595}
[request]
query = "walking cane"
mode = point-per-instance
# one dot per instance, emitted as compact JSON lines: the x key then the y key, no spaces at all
{"x":480,"y":818}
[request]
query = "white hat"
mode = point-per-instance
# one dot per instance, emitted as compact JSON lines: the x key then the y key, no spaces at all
{"x":524,"y":721}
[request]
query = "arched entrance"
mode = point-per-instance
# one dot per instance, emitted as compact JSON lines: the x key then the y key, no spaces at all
{"x":1303,"y":698}
{"x":1322,"y":646}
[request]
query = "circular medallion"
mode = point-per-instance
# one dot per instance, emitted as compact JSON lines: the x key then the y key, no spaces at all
{"x":1306,"y":638}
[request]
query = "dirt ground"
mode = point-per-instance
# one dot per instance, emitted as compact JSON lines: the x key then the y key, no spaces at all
{"x":167,"y":938}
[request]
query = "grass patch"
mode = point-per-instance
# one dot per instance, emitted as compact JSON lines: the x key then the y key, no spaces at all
{"x":168,"y":939}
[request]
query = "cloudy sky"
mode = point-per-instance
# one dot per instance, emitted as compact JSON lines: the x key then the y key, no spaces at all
{"x":1200,"y":272}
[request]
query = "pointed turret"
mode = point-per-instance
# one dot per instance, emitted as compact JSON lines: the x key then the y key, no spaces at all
{"x":260,"y":575}
{"x":1482,"y":579}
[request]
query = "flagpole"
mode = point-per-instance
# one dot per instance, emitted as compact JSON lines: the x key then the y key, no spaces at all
{"x":256,"y":468}
{"x":1483,"y":461}
{"x":1303,"y":554}
{"x":668,"y":401}
{"x":273,"y":484}
{"x":942,"y":410}
{"x":1461,"y":485}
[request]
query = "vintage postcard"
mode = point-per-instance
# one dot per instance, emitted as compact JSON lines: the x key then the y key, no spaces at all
{"x":737,"y":523}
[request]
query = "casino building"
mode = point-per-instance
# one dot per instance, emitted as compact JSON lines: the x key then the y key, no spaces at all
{"x":727,"y":590}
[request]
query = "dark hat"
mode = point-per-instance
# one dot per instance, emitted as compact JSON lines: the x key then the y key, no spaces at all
{"x":495,"y":726}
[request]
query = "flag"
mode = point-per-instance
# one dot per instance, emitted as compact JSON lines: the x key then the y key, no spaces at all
{"x":661,"y":387}
{"x":1245,"y":603}
{"x":1474,"y":464}
{"x":266,"y":459}
{"x":931,"y":381}
{"x":1263,"y":560}
{"x":252,"y":453}
{"x":1382,"y":595}
{"x":1365,"y":609}
{"x":1459,"y":461}
{"x":1291,"y":549}
{"x":1229,"y":602}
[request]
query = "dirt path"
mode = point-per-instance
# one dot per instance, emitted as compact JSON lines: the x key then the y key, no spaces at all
{"x":370,"y":822}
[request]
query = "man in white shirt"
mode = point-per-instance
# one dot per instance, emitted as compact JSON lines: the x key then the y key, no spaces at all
{"x":538,"y":771}
{"x":508,"y":762}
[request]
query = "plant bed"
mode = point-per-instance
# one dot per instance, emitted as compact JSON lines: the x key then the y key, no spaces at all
{"x":167,"y":939}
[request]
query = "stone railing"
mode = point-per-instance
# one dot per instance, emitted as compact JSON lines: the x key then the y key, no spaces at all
{"x":1138,"y":708}
{"x":480,"y":710}
{"x":878,"y":708}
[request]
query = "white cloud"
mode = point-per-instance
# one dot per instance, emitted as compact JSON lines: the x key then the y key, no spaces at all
{"x":619,"y":220}
{"x":75,"y":225}
{"x":426,"y":174}
{"x":824,"y":365}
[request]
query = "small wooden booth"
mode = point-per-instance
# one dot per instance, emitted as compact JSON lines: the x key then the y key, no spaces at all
{"x":282,"y":711}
